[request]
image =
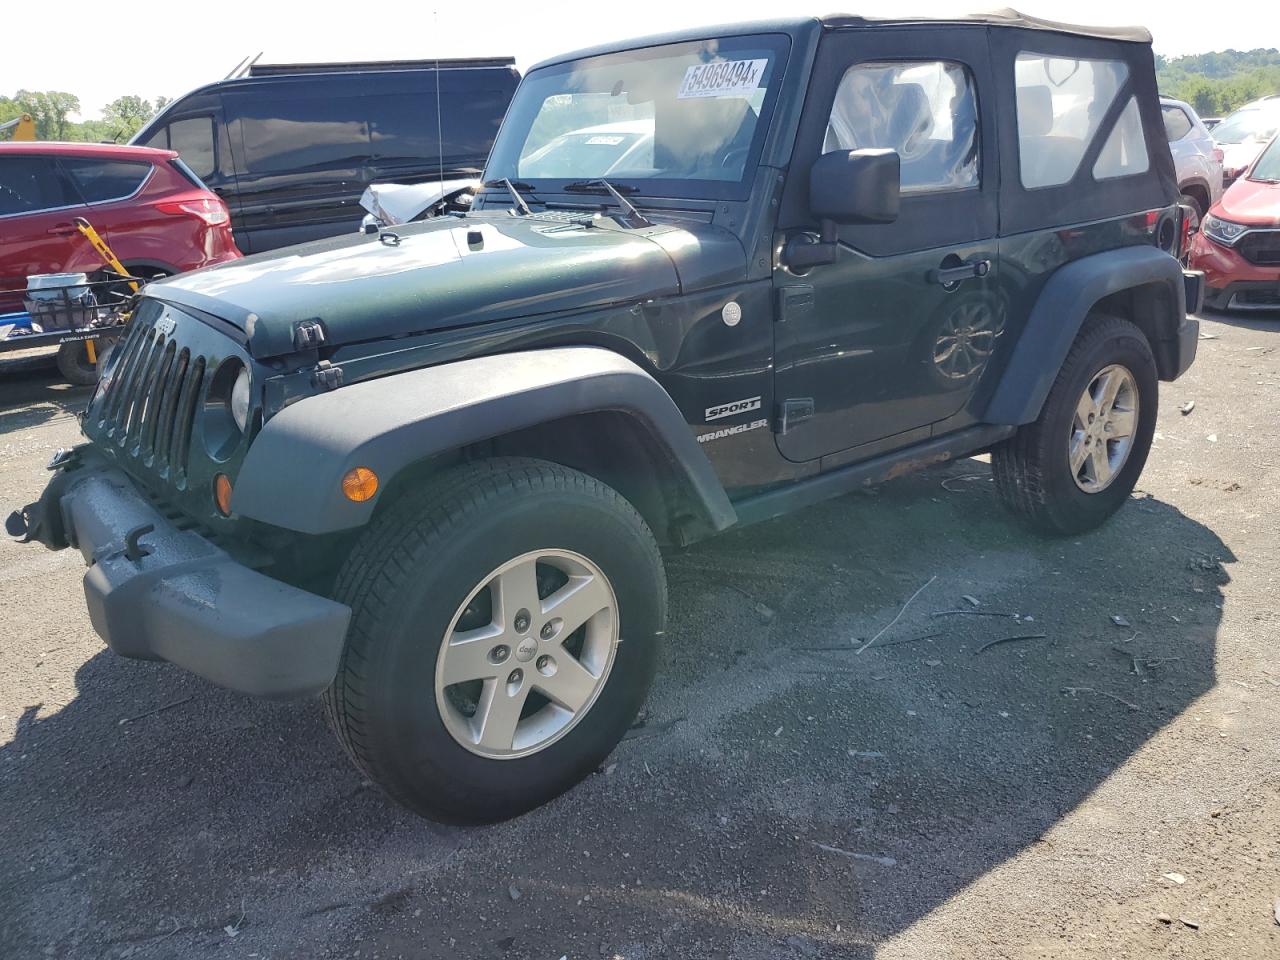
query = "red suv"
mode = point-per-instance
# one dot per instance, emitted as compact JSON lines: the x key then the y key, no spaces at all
{"x":1238,"y":246}
{"x":154,"y":213}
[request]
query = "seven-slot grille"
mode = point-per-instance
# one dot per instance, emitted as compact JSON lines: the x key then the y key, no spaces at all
{"x":149,"y":407}
{"x":1261,"y":247}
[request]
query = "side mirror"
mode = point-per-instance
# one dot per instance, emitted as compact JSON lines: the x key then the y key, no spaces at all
{"x":856,"y":186}
{"x":370,"y":224}
{"x":847,"y":186}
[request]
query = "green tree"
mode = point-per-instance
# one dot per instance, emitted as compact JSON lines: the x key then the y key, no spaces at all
{"x":126,"y":116}
{"x":50,"y":109}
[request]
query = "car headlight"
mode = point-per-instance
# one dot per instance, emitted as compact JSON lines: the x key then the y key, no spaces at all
{"x":1224,"y":231}
{"x":238,"y":401}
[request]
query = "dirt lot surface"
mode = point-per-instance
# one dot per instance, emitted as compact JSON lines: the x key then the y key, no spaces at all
{"x":1108,"y":786}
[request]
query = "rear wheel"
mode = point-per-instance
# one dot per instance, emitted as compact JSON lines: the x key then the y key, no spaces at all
{"x":1078,"y":462}
{"x":504,"y":633}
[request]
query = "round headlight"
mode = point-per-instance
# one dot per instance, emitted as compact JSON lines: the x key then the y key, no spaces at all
{"x":238,"y":402}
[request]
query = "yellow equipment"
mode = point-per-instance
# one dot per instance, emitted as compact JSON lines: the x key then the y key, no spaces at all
{"x":100,"y":245}
{"x":23,"y":127}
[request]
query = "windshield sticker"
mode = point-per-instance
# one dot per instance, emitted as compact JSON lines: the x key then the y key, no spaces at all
{"x":602,"y":140}
{"x":724,"y":78}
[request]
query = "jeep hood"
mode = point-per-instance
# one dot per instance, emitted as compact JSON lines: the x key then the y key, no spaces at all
{"x":436,"y":276}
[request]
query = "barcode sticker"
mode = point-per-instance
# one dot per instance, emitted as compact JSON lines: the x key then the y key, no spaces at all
{"x":723,"y":78}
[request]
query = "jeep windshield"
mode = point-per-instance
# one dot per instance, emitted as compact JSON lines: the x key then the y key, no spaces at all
{"x":683,"y":120}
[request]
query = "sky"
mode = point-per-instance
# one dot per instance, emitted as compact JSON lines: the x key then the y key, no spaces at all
{"x":178,"y":49}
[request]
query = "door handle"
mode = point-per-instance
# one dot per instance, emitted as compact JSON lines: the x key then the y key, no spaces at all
{"x":63,"y":229}
{"x":950,"y":276}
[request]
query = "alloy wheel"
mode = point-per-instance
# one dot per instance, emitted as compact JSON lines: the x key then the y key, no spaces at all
{"x":1103,"y":427}
{"x":527,"y":654}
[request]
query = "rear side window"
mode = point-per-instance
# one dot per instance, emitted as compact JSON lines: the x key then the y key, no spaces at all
{"x":1176,"y":122}
{"x":29,"y":184}
{"x":304,"y":133}
{"x":1125,"y":152}
{"x":1060,"y":104}
{"x":101,"y":180}
{"x":193,"y":139}
{"x":927,"y":112}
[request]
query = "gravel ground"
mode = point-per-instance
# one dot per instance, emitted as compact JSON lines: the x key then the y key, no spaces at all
{"x":784,"y":797}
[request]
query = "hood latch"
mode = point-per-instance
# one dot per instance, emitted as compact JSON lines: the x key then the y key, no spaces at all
{"x":307,"y":334}
{"x":326,"y":376}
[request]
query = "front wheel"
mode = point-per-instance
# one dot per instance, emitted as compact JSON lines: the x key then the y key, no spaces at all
{"x":1074,"y":466}
{"x":504,"y":634}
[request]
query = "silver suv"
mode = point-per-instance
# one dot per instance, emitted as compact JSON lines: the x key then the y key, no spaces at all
{"x":1196,"y":158}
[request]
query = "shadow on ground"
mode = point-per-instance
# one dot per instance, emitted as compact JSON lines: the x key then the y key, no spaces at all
{"x":33,"y":393}
{"x":785,"y":795}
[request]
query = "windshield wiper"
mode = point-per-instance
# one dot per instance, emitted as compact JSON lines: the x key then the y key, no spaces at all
{"x":521,"y":206}
{"x":633,"y":218}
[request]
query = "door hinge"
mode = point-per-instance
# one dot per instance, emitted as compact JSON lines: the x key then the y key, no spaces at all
{"x":794,"y":301}
{"x":326,"y":376}
{"x":791,"y":412}
{"x":307,"y":334}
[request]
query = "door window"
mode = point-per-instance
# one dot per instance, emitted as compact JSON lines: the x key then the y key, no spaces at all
{"x":29,"y":184}
{"x":927,"y":112}
{"x":304,"y":134}
{"x":101,"y":180}
{"x":1060,"y":105}
{"x":193,"y":139}
{"x":1176,"y":122}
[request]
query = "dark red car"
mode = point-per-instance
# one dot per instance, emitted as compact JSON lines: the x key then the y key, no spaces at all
{"x":1238,"y":246}
{"x":154,"y":213}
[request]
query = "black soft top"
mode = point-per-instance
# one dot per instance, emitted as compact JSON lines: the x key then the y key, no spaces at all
{"x":1004,"y":17}
{"x":796,"y":26}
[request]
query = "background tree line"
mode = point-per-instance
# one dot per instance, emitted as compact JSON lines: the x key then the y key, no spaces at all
{"x":52,"y":111}
{"x":1216,"y":83}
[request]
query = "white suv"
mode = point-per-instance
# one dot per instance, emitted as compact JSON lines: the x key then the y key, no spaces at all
{"x":1196,"y":157}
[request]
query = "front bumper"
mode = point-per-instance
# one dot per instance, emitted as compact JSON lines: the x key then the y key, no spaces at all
{"x":158,"y":592}
{"x":1232,"y":282}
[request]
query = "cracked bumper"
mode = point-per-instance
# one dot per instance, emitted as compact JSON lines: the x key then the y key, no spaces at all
{"x":166,"y":593}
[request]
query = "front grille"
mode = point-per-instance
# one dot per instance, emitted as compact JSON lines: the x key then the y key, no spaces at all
{"x":148,"y":408}
{"x":1261,"y":247}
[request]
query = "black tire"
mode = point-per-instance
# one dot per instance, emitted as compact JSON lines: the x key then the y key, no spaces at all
{"x":1194,"y":203}
{"x":74,"y":365}
{"x":405,"y":580}
{"x":1032,"y":469}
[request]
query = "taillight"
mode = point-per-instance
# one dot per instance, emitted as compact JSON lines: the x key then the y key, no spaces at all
{"x":209,"y":209}
{"x":1219,"y":155}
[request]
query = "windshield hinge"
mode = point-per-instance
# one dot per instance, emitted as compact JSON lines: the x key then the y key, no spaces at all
{"x":326,"y":376}
{"x":307,"y":334}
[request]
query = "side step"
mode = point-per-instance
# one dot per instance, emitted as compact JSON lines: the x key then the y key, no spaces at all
{"x":868,"y":473}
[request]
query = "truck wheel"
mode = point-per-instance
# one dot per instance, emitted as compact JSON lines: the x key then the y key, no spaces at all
{"x":74,"y":365}
{"x":488,"y":614}
{"x":1077,"y":463}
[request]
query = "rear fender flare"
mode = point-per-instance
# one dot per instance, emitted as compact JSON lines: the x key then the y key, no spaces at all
{"x":292,"y":474}
{"x":1066,"y":300}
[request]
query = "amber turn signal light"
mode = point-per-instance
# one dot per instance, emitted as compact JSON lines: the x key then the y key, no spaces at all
{"x":222,"y":494}
{"x":359,"y":484}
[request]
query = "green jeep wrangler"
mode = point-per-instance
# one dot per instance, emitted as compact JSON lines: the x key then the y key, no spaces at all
{"x":712,"y":277}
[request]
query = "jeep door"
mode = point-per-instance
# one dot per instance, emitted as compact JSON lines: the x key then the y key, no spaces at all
{"x":894,"y":335}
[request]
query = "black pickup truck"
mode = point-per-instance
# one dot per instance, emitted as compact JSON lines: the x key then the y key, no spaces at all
{"x":712,"y":277}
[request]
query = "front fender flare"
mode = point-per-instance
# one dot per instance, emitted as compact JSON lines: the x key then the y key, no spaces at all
{"x":292,"y":474}
{"x":1064,"y":303}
